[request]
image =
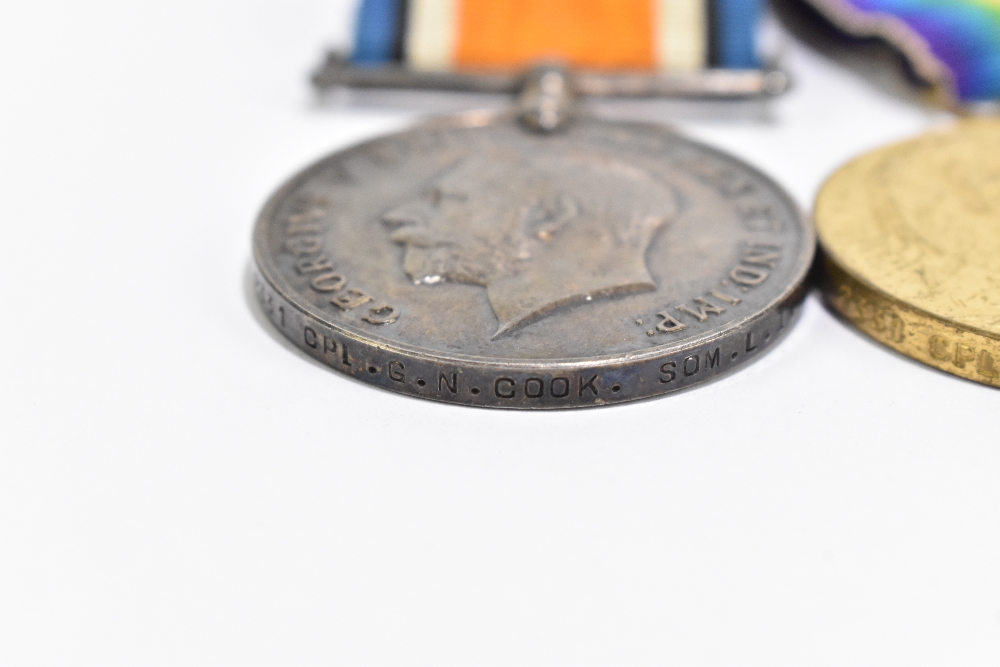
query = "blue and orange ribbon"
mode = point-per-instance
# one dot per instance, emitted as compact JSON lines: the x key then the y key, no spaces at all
{"x":593,"y":34}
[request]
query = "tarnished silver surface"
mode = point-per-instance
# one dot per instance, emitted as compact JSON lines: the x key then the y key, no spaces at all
{"x":336,"y":71}
{"x":473,"y":261}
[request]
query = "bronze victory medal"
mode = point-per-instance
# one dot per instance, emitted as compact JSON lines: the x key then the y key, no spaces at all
{"x":911,"y":240}
{"x":472,"y":261}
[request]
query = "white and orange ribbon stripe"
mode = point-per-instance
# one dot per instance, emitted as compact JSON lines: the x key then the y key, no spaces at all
{"x":592,"y":34}
{"x":673,"y":35}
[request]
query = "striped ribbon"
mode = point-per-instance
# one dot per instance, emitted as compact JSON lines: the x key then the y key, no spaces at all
{"x":955,"y":43}
{"x":440,"y":35}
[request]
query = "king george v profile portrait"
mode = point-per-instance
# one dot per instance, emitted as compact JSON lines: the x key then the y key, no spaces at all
{"x":539,"y":235}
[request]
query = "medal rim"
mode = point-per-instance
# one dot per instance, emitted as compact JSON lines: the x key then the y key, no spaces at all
{"x":843,"y":261}
{"x":803,"y":261}
{"x":838,"y":286}
{"x":840,"y":280}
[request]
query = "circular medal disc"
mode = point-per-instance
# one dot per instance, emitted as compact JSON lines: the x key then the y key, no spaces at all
{"x":911,"y":238}
{"x":472,"y":261}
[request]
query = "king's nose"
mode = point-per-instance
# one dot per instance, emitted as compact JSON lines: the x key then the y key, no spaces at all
{"x":408,"y":214}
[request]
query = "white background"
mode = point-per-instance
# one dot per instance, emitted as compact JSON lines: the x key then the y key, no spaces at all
{"x":178,"y":486}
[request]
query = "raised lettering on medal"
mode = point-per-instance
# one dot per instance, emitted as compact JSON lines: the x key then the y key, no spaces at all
{"x":477,"y":263}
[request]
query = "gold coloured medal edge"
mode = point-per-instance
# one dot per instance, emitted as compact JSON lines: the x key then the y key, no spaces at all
{"x":851,"y":233}
{"x":933,"y":341}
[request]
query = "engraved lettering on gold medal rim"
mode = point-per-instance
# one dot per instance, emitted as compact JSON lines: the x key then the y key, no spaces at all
{"x":986,"y":365}
{"x":916,"y":334}
{"x":871,"y":314}
{"x":963,"y":355}
{"x":960,"y":355}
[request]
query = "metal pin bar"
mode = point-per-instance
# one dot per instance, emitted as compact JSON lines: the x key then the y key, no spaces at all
{"x":710,"y":84}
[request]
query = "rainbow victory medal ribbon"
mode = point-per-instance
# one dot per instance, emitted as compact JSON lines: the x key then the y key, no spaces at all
{"x":610,"y":35}
{"x":952,"y":44}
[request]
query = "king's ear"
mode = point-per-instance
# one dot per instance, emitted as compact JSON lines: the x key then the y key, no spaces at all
{"x":548,"y":215}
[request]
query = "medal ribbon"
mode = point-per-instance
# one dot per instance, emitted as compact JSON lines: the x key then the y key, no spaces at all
{"x":951,"y":43}
{"x":441,"y":35}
